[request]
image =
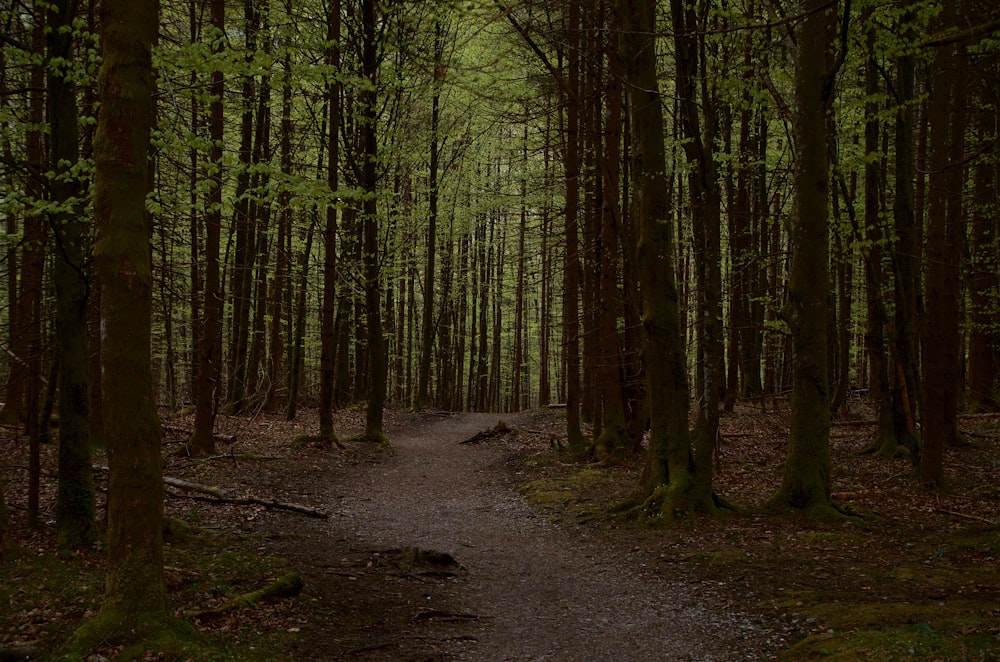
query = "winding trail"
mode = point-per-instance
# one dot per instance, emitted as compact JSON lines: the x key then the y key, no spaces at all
{"x":541,"y":591}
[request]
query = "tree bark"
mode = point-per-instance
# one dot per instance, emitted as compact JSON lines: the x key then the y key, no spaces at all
{"x":75,"y":507}
{"x":665,"y":489}
{"x":571,"y":266}
{"x":377,"y":358}
{"x":134,"y":600}
{"x":940,"y":358}
{"x":806,"y":481}
{"x":328,"y":357}
{"x":202,"y":442}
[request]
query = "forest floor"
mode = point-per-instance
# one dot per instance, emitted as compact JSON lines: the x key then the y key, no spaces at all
{"x":503,"y":548}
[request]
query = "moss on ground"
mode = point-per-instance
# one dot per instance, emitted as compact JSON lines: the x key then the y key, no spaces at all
{"x":46,"y":597}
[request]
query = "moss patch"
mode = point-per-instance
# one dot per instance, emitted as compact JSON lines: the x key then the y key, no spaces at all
{"x":45,"y":597}
{"x":919,"y":641}
{"x":568,"y":498}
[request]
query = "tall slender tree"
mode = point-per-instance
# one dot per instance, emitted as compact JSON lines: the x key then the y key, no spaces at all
{"x":135,"y":597}
{"x":806,"y":481}
{"x":328,"y":358}
{"x":75,"y":518}
{"x":202,"y":440}
{"x":669,"y":484}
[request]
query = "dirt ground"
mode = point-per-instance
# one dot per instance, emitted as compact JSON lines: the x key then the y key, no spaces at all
{"x":503,"y":549}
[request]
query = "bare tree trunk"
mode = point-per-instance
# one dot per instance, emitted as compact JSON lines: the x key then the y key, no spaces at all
{"x":377,"y":359}
{"x":984,"y":288}
{"x":614,"y":441}
{"x":134,"y":600}
{"x":202,"y":442}
{"x":328,"y":360}
{"x":75,"y":507}
{"x":280,"y":281}
{"x":806,"y":482}
{"x":940,"y":358}
{"x":571,"y":266}
{"x":880,"y":391}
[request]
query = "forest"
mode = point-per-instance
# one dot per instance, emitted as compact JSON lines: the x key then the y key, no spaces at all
{"x":643,"y":216}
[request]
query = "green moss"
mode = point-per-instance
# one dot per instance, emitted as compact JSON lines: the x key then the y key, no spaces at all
{"x":917,"y":641}
{"x":565,"y":498}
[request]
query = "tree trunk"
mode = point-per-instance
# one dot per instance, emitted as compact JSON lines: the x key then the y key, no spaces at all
{"x":280,"y":281}
{"x":243,"y":258}
{"x":904,"y":369}
{"x":571,"y":266}
{"x":704,"y":192}
{"x":984,"y":287}
{"x":614,"y":441}
{"x":428,"y":327}
{"x":24,"y":377}
{"x":377,"y":359}
{"x":75,"y":508}
{"x":666,"y":482}
{"x":940,"y":358}
{"x":134,"y":601}
{"x":806,"y":482}
{"x":885,"y":443}
{"x":298,"y":338}
{"x":328,"y":360}
{"x":202,"y":442}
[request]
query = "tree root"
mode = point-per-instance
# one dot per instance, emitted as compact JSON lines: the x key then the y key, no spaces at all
{"x":498,"y":430}
{"x":320,"y":441}
{"x":665,"y":505}
{"x":287,"y":586}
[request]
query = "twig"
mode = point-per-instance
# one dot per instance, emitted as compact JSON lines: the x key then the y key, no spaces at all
{"x":972,"y":517}
{"x":225,"y":496}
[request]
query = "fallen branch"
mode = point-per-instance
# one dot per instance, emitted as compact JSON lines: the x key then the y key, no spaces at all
{"x":972,"y":517}
{"x":222,"y":495}
{"x":288,"y":586}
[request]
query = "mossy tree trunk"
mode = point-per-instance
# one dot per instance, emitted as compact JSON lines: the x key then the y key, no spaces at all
{"x":667,"y":483}
{"x":75,"y":523}
{"x":135,"y":595}
{"x":806,"y":481}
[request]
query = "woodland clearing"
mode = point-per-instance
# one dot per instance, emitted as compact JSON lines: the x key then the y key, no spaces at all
{"x":504,"y":549}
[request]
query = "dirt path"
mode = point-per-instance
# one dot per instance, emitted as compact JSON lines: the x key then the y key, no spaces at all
{"x":529,"y":589}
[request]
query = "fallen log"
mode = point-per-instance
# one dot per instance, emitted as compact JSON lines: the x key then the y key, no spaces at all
{"x":287,"y":586}
{"x":221,"y":495}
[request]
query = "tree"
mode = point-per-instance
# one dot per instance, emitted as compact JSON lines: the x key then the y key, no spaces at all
{"x":328,"y":357}
{"x":134,"y":600}
{"x":428,"y":325}
{"x":377,"y":359}
{"x":669,"y":484}
{"x":75,"y":524}
{"x":941,"y":363}
{"x":806,"y":481}
{"x":202,"y":441}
